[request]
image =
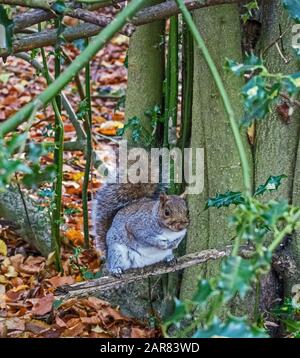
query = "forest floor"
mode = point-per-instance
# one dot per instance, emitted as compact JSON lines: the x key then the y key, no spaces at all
{"x":28,"y":307}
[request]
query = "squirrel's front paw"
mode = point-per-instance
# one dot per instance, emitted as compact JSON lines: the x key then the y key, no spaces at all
{"x":117,"y":272}
{"x":171,"y":260}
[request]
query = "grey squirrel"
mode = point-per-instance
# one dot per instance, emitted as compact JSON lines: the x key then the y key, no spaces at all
{"x":146,"y":232}
{"x":110,"y":198}
{"x":136,"y":226}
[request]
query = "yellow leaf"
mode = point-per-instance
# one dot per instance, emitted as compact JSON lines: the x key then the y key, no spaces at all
{"x":3,"y":248}
{"x":11,"y":272}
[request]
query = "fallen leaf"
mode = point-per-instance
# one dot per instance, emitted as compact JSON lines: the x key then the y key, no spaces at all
{"x":57,"y":281}
{"x":110,"y":127}
{"x":43,"y":305}
{"x":94,"y":320}
{"x":3,"y":248}
{"x":74,"y":331}
{"x":35,"y":326}
{"x":32,"y":265}
{"x":15,"y":324}
{"x":75,"y":236}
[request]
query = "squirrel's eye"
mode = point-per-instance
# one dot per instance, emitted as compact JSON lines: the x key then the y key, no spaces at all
{"x":167,"y":212}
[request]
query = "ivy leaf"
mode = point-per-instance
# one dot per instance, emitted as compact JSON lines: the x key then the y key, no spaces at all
{"x":234,"y":328}
{"x":236,"y":276}
{"x":293,"y":8}
{"x":221,"y":200}
{"x":272,"y":183}
{"x":6,"y":31}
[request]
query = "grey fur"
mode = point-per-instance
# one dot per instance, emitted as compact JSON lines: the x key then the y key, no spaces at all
{"x":136,"y":239}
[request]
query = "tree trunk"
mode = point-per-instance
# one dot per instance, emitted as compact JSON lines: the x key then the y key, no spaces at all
{"x":145,"y":70}
{"x":29,"y":220}
{"x":277,"y":142}
{"x":144,"y":91}
{"x":211,"y":130}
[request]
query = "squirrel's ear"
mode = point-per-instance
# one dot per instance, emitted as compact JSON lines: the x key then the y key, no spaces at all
{"x":183,"y":195}
{"x":163,"y":198}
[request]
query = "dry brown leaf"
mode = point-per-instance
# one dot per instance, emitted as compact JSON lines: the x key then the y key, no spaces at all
{"x":16,"y":261}
{"x":60,"y":322}
{"x":94,"y":320}
{"x":15,"y":324}
{"x":74,"y":331}
{"x":3,"y":330}
{"x":43,"y":305}
{"x":36,"y":326}
{"x":95,"y":303}
{"x":57,"y":281}
{"x":32,"y":265}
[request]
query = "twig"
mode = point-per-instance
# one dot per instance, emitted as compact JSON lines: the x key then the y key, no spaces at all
{"x":109,"y":282}
{"x":145,"y":16}
{"x":91,"y":50}
{"x":65,"y":102}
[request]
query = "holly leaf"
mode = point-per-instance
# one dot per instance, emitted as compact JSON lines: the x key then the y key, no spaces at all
{"x":203,"y":292}
{"x":272,"y":183}
{"x":293,"y":8}
{"x":233,"y":328}
{"x":179,"y":313}
{"x":236,"y":276}
{"x":252,"y":63}
{"x":221,"y":200}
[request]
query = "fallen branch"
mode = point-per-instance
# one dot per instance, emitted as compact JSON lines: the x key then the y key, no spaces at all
{"x":107,"y":283}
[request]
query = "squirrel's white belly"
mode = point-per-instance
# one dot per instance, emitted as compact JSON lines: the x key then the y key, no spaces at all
{"x":145,"y":256}
{"x":169,"y":235}
{"x":148,"y":256}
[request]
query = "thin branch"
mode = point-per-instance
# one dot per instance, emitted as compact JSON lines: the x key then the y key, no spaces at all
{"x":148,"y":15}
{"x":40,"y":4}
{"x":65,"y":102}
{"x":90,"y":51}
{"x":108,"y":282}
{"x":97,"y":19}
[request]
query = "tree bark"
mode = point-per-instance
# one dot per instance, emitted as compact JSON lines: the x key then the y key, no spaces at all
{"x":145,"y":70}
{"x":144,"y":91}
{"x":28,"y":218}
{"x":277,"y":142}
{"x":211,"y":130}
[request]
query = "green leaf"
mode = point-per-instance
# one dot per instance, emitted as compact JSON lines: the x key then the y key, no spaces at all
{"x":59,"y":7}
{"x":57,"y":303}
{"x":180,"y":312}
{"x":6,"y":31}
{"x":234,"y":328}
{"x":252,"y":63}
{"x":275,"y":211}
{"x":292,"y":326}
{"x":293,"y":8}
{"x":272,"y":183}
{"x":203,"y":292}
{"x":221,"y":200}
{"x":236,"y":276}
